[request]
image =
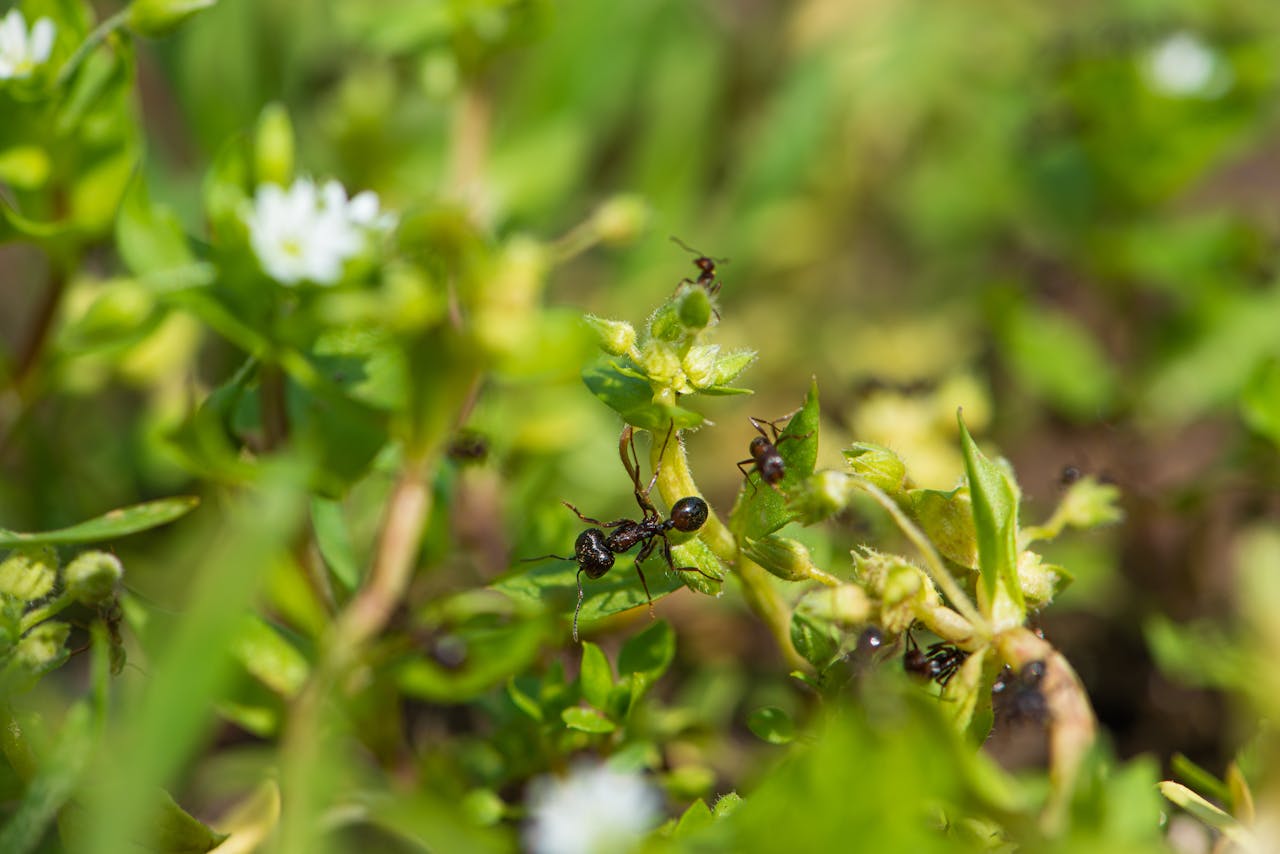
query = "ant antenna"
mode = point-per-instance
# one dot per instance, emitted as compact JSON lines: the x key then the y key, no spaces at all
{"x":577,"y":610}
{"x":687,"y":248}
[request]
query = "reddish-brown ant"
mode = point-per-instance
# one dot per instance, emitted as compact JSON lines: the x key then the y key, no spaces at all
{"x":706,"y":268}
{"x":764,"y":453}
{"x":593,"y":551}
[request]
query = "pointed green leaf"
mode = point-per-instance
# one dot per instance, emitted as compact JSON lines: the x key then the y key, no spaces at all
{"x":622,"y":386}
{"x":994,"y":499}
{"x":109,"y":526}
{"x":695,"y":818}
{"x":586,"y":720}
{"x":761,"y":509}
{"x":596,"y":676}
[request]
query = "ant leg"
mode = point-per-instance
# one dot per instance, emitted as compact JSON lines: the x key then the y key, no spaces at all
{"x":577,"y":610}
{"x":671,"y":563}
{"x":792,"y":436}
{"x":644,"y":553}
{"x":615,"y":523}
{"x":625,"y":441}
{"x":747,"y":475}
{"x":756,"y":422}
{"x":545,"y":557}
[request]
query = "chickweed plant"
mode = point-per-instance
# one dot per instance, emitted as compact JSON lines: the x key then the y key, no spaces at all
{"x":311,"y":623}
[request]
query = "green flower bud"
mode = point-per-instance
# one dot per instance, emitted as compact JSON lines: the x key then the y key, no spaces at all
{"x":273,"y":147}
{"x":1039,"y":581}
{"x":154,"y":18}
{"x":782,"y":557}
{"x":877,"y":465}
{"x":43,"y":648}
{"x":665,"y":324}
{"x":728,"y":368}
{"x":620,"y":219}
{"x":91,"y":577}
{"x":617,"y":337}
{"x":846,"y":605}
{"x":823,"y":494}
{"x":902,"y":588}
{"x":1089,"y":503}
{"x":695,"y":307}
{"x":661,"y":363}
{"x":29,"y":572}
{"x":700,"y":365}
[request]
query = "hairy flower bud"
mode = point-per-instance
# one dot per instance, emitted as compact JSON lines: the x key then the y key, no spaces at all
{"x":783,"y":557}
{"x":273,"y":147}
{"x":846,"y":605}
{"x":661,"y":363}
{"x":700,"y":365}
{"x":824,"y":494}
{"x":620,"y":219}
{"x":695,"y":308}
{"x":42,"y":648}
{"x":877,"y":465}
{"x":617,"y":337}
{"x":28,"y":573}
{"x":91,"y":577}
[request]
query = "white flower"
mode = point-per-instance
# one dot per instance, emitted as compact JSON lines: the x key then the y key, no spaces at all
{"x":595,"y":810}
{"x":20,"y":51}
{"x":308,"y":234}
{"x":1184,"y":66}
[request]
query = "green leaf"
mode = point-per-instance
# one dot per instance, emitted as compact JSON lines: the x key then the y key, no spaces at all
{"x":596,"y":676}
{"x":586,"y":720}
{"x":1260,"y":400}
{"x":555,"y":583}
{"x":994,"y":498}
{"x":695,"y":818}
{"x":947,"y":519}
{"x":772,"y":724}
{"x":494,"y":653}
{"x":816,"y":640}
{"x":176,"y":830}
{"x":334,"y":541}
{"x":109,"y":526}
{"x":761,"y":509}
{"x":52,"y":786}
{"x":1211,"y":814}
{"x":149,"y":237}
{"x":695,"y":553}
{"x":622,"y":387}
{"x":728,"y":802}
{"x":523,"y":701}
{"x":650,"y":652}
{"x":270,"y":658}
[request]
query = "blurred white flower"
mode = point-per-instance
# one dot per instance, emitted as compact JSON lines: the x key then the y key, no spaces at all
{"x":22,"y":51}
{"x":595,"y":810}
{"x":307,"y":233}
{"x":1184,"y":66}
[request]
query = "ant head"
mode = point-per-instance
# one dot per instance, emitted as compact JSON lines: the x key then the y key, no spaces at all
{"x":705,"y":264}
{"x":689,"y":514}
{"x":592,"y":553}
{"x":758,"y":444}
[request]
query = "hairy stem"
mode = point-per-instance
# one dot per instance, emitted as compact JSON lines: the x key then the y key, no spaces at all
{"x":933,"y":563}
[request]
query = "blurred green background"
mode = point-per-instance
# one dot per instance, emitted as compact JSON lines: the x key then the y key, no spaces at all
{"x":1062,"y":218}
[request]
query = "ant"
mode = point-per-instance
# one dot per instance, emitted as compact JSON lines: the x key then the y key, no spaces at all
{"x":706,"y":268}
{"x":593,"y":551}
{"x":764,"y":453}
{"x":468,"y":446}
{"x":1018,"y":697}
{"x":940,"y":663}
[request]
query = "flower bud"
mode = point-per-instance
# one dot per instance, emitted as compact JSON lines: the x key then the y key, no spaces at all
{"x":1039,"y":581}
{"x":695,"y":308}
{"x":661,"y":363}
{"x":28,"y":573}
{"x":665,"y":324}
{"x":152,"y":18}
{"x":1089,"y":503}
{"x":878,"y":466}
{"x":947,"y":520}
{"x":617,"y":337}
{"x":823,"y":494}
{"x":620,"y":219}
{"x":846,"y":605}
{"x":700,"y":365}
{"x":273,"y":147}
{"x":91,"y":577}
{"x":42,"y":648}
{"x":782,"y":557}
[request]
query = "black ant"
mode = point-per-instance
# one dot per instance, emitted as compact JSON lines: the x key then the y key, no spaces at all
{"x":764,"y":453}
{"x":1018,"y":697}
{"x":940,"y":663}
{"x":468,"y":446}
{"x":594,"y":549}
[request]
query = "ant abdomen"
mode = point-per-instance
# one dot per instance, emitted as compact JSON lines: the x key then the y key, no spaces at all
{"x":689,"y":514}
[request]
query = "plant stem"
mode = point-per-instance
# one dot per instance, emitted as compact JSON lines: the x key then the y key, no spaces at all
{"x":91,"y":41}
{"x":933,"y":563}
{"x":675,"y":481}
{"x":27,"y":360}
{"x":36,"y":616}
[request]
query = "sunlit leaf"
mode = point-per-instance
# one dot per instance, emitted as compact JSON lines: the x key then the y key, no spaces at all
{"x":109,"y":526}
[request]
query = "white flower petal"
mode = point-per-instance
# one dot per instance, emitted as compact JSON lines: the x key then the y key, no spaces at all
{"x":593,"y":810}
{"x":41,"y":40}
